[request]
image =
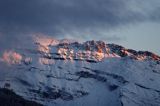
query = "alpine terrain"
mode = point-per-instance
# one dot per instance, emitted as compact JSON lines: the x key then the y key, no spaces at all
{"x":93,"y":73}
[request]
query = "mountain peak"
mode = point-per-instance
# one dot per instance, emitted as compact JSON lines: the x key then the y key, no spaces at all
{"x":67,"y":72}
{"x":72,"y":50}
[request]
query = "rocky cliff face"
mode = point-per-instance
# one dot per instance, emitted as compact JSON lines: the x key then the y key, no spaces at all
{"x":65,"y":72}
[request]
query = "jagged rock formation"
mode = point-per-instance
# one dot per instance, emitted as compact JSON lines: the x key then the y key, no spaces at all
{"x":63,"y":72}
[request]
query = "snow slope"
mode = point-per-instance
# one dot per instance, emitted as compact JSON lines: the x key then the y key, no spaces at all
{"x":93,"y":73}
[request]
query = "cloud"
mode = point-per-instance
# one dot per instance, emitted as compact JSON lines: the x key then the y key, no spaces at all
{"x":11,"y":57}
{"x":53,"y":16}
{"x":83,"y":19}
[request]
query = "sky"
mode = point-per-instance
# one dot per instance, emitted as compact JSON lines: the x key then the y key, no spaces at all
{"x":133,"y":24}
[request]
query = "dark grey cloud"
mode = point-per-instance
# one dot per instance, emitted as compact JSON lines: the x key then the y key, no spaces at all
{"x":55,"y":15}
{"x":73,"y":18}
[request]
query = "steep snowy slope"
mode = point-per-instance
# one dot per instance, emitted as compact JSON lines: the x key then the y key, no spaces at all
{"x":68,"y":73}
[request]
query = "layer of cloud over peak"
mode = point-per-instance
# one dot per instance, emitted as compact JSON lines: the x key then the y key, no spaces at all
{"x":55,"y":16}
{"x":72,"y":18}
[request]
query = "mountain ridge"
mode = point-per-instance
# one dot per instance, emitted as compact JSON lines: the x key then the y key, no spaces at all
{"x":81,"y":74}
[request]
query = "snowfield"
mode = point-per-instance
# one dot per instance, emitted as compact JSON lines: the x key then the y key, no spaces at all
{"x":68,"y":73}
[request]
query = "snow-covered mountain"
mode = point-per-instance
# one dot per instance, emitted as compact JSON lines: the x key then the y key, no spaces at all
{"x":93,"y":73}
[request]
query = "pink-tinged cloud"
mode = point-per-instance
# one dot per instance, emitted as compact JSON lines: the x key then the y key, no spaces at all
{"x":11,"y":57}
{"x":44,"y":42}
